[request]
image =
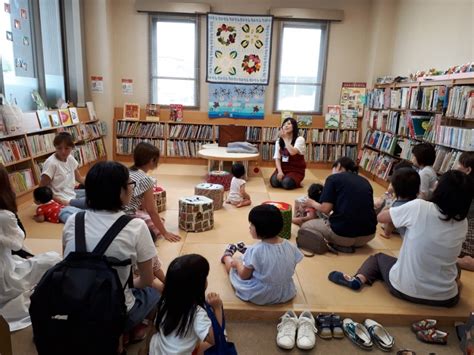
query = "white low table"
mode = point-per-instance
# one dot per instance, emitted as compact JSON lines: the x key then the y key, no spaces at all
{"x":212,"y":152}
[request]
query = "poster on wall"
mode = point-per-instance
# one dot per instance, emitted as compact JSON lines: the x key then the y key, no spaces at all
{"x":353,"y":97}
{"x":239,"y":49}
{"x":97,"y":84}
{"x":127,"y":86}
{"x":236,"y":101}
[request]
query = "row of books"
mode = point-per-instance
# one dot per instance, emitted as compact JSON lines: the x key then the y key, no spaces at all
{"x":41,"y":143}
{"x":379,"y":164}
{"x":184,"y":131}
{"x":456,"y":137}
{"x":127,"y":145}
{"x":446,"y":159}
{"x":89,"y":152}
{"x":431,"y":98}
{"x":461,"y":102}
{"x":334,"y":136}
{"x":13,"y":150}
{"x":253,"y":134}
{"x":271,"y":134}
{"x":267,"y":150}
{"x":22,"y":180}
{"x":140,"y":129}
{"x":186,"y":149}
{"x":330,"y":153}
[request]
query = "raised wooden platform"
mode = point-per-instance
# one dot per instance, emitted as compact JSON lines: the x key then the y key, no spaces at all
{"x":315,"y":292}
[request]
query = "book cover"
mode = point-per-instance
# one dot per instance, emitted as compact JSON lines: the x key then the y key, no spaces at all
{"x":43,"y":119}
{"x":152,"y":112}
{"x":54,"y":118}
{"x":420,"y":125}
{"x":91,"y":110}
{"x":349,"y":119}
{"x":285,"y":114}
{"x":176,"y":112}
{"x":332,"y":120}
{"x":304,"y":121}
{"x":353,"y":97}
{"x":65,"y":116}
{"x":131,"y":111}
{"x":74,"y":115}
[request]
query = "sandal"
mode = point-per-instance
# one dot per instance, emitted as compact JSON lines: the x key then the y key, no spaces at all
{"x":336,"y":326}
{"x":241,"y":247}
{"x":380,"y":336}
{"x":357,"y":333}
{"x":406,"y":352}
{"x":433,"y":336}
{"x":324,"y":326}
{"x":424,"y":324}
{"x":230,"y":250}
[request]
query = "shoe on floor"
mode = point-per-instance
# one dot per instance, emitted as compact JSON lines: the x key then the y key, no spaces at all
{"x":432,"y":336}
{"x":424,"y":324}
{"x":306,"y":338}
{"x":287,"y":330}
{"x":357,"y":333}
{"x":336,"y":326}
{"x":324,"y":326}
{"x":380,"y":336}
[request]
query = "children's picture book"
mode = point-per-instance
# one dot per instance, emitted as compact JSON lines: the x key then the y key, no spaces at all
{"x":91,"y":109}
{"x":54,"y":118}
{"x":131,"y":111}
{"x":176,"y":112}
{"x":304,"y":121}
{"x":285,"y":115}
{"x":43,"y":119}
{"x":420,"y":125}
{"x":353,"y":96}
{"x":349,"y":119}
{"x":65,"y":116}
{"x":74,"y":114}
{"x":152,"y":112}
{"x":333,"y":116}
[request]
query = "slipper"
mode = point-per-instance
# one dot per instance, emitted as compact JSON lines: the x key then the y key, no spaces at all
{"x":424,"y":324}
{"x":357,"y":333}
{"x":433,"y":336}
{"x":380,"y":336}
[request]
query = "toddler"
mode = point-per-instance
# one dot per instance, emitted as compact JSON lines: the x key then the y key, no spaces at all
{"x":423,"y":158}
{"x":60,"y":172}
{"x":182,"y":323}
{"x":314,"y":193}
{"x":159,"y":275}
{"x":237,"y":195}
{"x":265,"y":273}
{"x":50,"y":210}
{"x":406,"y":185}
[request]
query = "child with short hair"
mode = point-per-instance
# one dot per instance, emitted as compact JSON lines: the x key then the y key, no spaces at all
{"x":237,"y":195}
{"x":60,"y":172}
{"x":182,"y":323}
{"x":466,"y":258}
{"x":50,"y":210}
{"x":265,"y":273}
{"x":314,"y":193}
{"x":406,"y":186}
{"x":423,"y":158}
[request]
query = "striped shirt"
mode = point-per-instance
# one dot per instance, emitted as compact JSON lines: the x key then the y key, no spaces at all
{"x":143,"y":184}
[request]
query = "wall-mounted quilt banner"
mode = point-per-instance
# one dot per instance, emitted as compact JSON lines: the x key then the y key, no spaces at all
{"x":236,"y":101}
{"x":238,"y":49}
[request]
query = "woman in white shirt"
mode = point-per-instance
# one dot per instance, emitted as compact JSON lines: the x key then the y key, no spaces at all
{"x":425,"y":271}
{"x":289,"y":157}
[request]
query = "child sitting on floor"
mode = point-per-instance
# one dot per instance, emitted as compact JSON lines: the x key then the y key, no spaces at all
{"x":314,"y":193}
{"x":265,"y":274}
{"x":159,"y":275}
{"x":423,"y":158}
{"x":49,"y":210}
{"x":237,"y":195}
{"x":406,"y":185}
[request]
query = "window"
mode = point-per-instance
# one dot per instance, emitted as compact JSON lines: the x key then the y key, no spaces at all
{"x":302,"y":65}
{"x":175,"y":60}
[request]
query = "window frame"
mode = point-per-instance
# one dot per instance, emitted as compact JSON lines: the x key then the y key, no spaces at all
{"x":323,"y":54}
{"x":153,"y":55}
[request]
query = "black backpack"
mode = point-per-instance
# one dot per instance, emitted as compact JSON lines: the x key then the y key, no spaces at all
{"x":78,"y":307}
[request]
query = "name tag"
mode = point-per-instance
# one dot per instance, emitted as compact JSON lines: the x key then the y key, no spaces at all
{"x":285,"y":158}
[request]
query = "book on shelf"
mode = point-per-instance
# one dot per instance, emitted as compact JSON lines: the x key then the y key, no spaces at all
{"x":22,"y":180}
{"x":41,"y":143}
{"x":91,"y":110}
{"x":127,"y":145}
{"x":404,"y":98}
{"x":152,"y":112}
{"x":395,"y":99}
{"x":65,"y":116}
{"x":74,"y":115}
{"x":305,"y":121}
{"x":176,"y":112}
{"x":253,"y":134}
{"x":13,"y":150}
{"x":332,"y":117}
{"x":43,"y":119}
{"x":418,"y":126}
{"x":349,"y":119}
{"x":456,"y":137}
{"x":131,"y":111}
{"x":386,"y":98}
{"x":458,"y":102}
{"x":285,"y":114}
{"x":54,"y":118}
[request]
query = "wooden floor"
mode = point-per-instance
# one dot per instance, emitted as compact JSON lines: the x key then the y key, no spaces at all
{"x":315,"y":292}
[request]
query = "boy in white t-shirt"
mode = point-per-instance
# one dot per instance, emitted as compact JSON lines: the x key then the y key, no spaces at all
{"x":60,"y":172}
{"x":237,"y":195}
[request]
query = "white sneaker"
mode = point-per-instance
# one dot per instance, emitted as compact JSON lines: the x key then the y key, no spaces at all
{"x":287,"y":330}
{"x":306,"y":338}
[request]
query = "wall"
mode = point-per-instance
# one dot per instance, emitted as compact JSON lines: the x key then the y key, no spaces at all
{"x":432,"y":34}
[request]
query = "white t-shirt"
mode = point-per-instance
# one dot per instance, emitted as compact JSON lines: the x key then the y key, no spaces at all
{"x":300,"y":144}
{"x":133,"y":242}
{"x":426,"y":267}
{"x":62,"y":176}
{"x":173,"y":345}
{"x":234,"y":192}
{"x":428,"y":180}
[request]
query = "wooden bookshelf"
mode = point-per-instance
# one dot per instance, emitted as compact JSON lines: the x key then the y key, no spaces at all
{"x":38,"y":145}
{"x":259,"y":138}
{"x":446,"y":122}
